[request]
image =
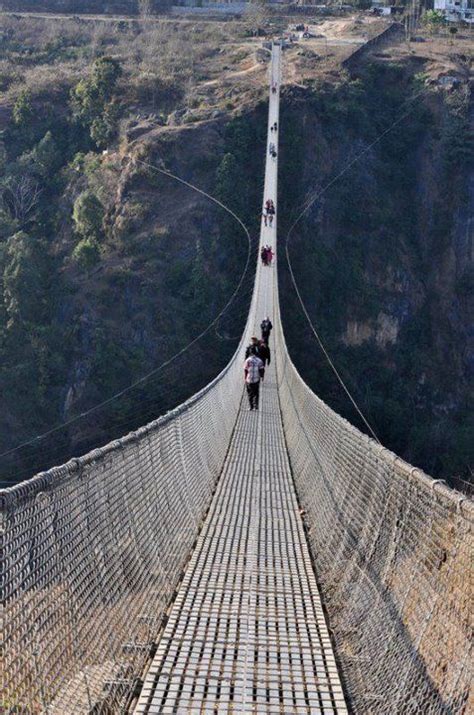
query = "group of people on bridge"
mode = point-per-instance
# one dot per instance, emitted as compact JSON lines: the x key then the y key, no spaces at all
{"x":269,"y":212}
{"x":257,"y":356}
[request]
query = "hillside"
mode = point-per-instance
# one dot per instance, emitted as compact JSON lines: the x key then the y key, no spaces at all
{"x":124,"y":7}
{"x":110,"y":268}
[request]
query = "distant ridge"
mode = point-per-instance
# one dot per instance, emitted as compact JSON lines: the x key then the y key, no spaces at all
{"x":108,"y":7}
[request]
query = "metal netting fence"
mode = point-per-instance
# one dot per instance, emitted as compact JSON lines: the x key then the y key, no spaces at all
{"x":92,"y":552}
{"x":393,"y":555}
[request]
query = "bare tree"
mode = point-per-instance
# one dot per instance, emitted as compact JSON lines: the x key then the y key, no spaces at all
{"x":20,"y":196}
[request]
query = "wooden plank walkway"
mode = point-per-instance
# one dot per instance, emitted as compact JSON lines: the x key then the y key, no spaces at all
{"x":247,"y":632}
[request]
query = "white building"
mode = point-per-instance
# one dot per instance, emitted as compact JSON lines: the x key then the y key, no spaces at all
{"x":456,"y":10}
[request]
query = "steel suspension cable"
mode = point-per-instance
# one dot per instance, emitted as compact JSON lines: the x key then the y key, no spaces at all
{"x":306,"y":208}
{"x":183,"y":350}
{"x":325,"y":352}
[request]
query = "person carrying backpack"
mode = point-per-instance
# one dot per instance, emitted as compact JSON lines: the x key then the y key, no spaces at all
{"x":254,"y":371}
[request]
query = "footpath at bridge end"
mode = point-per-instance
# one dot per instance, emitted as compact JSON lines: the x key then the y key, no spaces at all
{"x":171,"y":571}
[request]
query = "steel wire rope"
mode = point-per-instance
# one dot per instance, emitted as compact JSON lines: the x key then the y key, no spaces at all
{"x":307,"y":206}
{"x":132,"y":414}
{"x":167,"y":362}
{"x":318,"y":194}
{"x":62,"y":442}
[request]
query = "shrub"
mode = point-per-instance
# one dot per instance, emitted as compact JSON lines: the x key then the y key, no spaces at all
{"x":88,"y":215}
{"x":86,"y":254}
{"x":23,"y":109}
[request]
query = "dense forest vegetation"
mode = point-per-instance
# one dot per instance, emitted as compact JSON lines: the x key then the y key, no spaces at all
{"x":109,"y":269}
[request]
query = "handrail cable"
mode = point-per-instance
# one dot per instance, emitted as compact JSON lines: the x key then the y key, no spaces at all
{"x":145,"y":408}
{"x":167,"y":362}
{"x":308,"y":205}
{"x":354,"y":160}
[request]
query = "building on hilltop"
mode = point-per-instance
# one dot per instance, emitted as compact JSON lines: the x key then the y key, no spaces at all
{"x":456,"y":10}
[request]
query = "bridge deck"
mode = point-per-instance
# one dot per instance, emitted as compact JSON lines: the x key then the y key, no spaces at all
{"x":247,"y":633}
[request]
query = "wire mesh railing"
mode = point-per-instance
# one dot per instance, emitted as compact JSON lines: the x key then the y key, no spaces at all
{"x":393,"y":555}
{"x":93,"y":550}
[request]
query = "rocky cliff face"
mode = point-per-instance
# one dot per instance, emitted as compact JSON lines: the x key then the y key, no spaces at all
{"x":384,"y":256}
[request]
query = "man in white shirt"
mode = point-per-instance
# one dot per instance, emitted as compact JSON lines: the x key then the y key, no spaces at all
{"x":254,"y":371}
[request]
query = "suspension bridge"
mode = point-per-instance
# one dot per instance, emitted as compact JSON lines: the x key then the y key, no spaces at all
{"x":225,"y":561}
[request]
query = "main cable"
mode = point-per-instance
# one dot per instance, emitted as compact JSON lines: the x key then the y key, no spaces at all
{"x":167,"y":362}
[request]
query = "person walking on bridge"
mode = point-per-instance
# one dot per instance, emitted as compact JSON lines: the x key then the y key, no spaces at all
{"x":266,"y":327}
{"x":264,"y":353}
{"x":254,"y":371}
{"x":253,"y":348}
{"x":270,"y":211}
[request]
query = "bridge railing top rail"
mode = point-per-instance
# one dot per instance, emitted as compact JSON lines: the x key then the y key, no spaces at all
{"x":41,"y":481}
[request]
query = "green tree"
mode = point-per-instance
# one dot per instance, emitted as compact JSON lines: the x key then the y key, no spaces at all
{"x":434,"y":19}
{"x":362,"y":4}
{"x":103,"y":127}
{"x":24,"y":280}
{"x":86,"y":253}
{"x":92,"y":100}
{"x":8,"y":225}
{"x":23,"y":111}
{"x":88,"y":215}
{"x":3,"y":157}
{"x":91,"y":94}
{"x":227,"y":177}
{"x":46,"y":156}
{"x":105,"y":73}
